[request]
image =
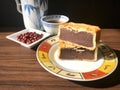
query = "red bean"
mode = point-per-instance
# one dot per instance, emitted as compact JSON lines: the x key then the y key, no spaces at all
{"x":29,"y":37}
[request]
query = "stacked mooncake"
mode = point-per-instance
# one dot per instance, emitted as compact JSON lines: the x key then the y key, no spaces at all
{"x":78,"y":41}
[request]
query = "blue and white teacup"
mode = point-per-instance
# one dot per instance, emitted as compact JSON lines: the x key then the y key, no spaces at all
{"x":51,"y":23}
{"x":32,"y":11}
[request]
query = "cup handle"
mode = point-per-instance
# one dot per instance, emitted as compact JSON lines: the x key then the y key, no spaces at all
{"x":18,"y":5}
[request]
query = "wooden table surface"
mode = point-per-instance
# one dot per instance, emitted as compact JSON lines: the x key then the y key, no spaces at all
{"x":20,"y":70}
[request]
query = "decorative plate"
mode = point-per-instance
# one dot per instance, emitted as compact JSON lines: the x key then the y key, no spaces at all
{"x":77,"y":70}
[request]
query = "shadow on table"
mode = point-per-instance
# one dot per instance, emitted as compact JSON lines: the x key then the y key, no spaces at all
{"x":109,"y":81}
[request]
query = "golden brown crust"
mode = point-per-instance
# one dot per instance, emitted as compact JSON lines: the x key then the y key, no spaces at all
{"x":80,"y":27}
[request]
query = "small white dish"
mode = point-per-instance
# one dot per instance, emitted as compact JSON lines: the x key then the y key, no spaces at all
{"x":13,"y":37}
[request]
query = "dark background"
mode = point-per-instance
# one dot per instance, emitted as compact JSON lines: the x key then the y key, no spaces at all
{"x":104,"y":13}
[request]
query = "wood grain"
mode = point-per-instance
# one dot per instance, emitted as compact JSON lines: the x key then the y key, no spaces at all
{"x":20,"y":70}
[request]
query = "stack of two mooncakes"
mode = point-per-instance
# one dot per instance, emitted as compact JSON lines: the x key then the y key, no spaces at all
{"x":78,"y":41}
